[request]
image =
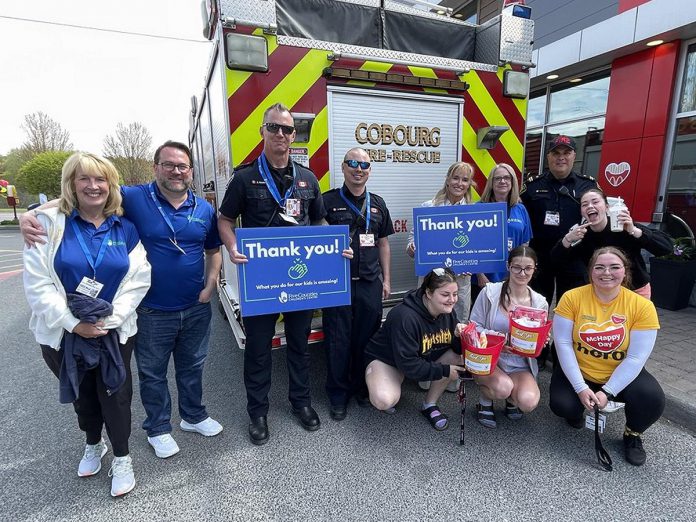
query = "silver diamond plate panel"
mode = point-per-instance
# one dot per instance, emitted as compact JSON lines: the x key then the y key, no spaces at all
{"x":488,"y":42}
{"x":386,"y":54}
{"x":516,"y":40}
{"x":260,"y":11}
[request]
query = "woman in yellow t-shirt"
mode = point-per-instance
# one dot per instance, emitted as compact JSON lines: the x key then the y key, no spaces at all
{"x":604,"y":334}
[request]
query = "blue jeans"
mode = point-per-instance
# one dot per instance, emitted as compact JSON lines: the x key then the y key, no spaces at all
{"x":161,"y":334}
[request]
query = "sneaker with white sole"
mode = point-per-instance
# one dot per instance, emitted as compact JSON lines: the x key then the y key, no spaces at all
{"x":208,"y":427}
{"x":122,"y":477}
{"x":91,"y":460}
{"x":612,"y":406}
{"x":164,"y":445}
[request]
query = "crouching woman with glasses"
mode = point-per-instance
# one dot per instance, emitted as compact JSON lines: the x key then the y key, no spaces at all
{"x":604,"y":334}
{"x":514,"y":377}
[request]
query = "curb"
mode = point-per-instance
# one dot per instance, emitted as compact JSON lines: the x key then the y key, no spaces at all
{"x":9,"y":227}
{"x":680,"y":413}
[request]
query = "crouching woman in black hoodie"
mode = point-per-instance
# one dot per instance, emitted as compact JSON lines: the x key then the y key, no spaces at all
{"x":418,"y":340}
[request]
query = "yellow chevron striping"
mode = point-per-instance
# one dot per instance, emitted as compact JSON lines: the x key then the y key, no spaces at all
{"x":235,"y":79}
{"x":481,"y":157}
{"x":484,"y":101}
{"x":325,"y":182}
{"x":295,"y":84}
{"x":375,"y":66}
{"x":320,"y":131}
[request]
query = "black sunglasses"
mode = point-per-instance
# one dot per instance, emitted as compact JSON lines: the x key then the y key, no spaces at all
{"x":274,"y":127}
{"x":353,"y":164}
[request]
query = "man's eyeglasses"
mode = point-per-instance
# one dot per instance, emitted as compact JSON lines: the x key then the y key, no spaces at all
{"x":600,"y":269}
{"x":502,"y":179}
{"x":516,"y":269}
{"x":273,"y":128}
{"x":170,"y":167}
{"x":353,"y":164}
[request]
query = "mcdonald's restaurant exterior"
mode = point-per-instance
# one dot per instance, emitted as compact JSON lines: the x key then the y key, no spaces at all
{"x":620,"y":77}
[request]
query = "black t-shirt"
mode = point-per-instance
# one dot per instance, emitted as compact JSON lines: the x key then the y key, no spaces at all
{"x":248,"y":196}
{"x":365,"y":262}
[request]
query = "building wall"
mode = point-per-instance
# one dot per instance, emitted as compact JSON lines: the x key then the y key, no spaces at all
{"x":555,"y":19}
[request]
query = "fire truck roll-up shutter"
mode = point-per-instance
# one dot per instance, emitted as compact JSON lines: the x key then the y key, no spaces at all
{"x":412,"y":140}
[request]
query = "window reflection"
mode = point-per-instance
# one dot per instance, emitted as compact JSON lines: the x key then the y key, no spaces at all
{"x":580,"y":101}
{"x":536,"y":110}
{"x":681,"y":190}
{"x":588,"y":135}
{"x":688,"y":97}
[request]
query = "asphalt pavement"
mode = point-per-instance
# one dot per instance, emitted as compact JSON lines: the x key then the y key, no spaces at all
{"x":371,"y":466}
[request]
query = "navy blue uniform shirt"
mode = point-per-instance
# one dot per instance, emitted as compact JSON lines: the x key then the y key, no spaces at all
{"x":177,"y":278}
{"x":71,"y":264}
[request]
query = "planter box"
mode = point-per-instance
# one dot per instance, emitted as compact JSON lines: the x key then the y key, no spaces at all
{"x":671,"y":282}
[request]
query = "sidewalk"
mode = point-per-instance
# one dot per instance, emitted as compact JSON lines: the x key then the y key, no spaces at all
{"x":673,"y":363}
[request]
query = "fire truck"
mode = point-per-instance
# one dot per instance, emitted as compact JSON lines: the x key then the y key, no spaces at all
{"x":417,"y":89}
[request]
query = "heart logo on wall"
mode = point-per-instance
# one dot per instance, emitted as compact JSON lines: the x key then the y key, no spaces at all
{"x":616,"y":173}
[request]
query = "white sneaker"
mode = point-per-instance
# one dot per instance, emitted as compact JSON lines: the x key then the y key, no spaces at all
{"x":164,"y":445}
{"x":91,"y":460}
{"x":208,"y":427}
{"x":424,"y":385}
{"x":453,"y":386}
{"x":123,"y":479}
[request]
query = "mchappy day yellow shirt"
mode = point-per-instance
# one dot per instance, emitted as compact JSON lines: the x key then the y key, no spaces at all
{"x":601,"y":332}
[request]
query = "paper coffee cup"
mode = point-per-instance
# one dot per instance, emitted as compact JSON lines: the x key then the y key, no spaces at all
{"x":613,"y":214}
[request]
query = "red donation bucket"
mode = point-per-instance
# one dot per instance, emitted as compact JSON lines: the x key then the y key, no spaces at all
{"x":528,"y":341}
{"x":482,"y":361}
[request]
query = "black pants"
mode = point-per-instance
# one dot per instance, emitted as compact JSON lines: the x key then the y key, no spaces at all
{"x":644,"y":398}
{"x":257,"y":359}
{"x":347,"y":329}
{"x":95,"y":408}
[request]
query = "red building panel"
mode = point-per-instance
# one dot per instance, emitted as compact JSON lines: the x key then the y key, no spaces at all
{"x":664,"y":72}
{"x":628,"y":96}
{"x":651,"y":153}
{"x":625,"y":5}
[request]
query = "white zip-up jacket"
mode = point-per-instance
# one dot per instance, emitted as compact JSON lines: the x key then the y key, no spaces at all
{"x":486,"y":307}
{"x":50,"y":315}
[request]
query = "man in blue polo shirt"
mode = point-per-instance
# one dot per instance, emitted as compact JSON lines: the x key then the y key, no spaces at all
{"x":179,"y":233}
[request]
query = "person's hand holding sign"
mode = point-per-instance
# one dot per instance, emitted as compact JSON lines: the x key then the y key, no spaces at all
{"x":237,"y":257}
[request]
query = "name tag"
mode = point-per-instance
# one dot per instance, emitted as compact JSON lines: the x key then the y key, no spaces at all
{"x":552,"y":218}
{"x":293,"y":207}
{"x":367,"y":240}
{"x":89,"y":287}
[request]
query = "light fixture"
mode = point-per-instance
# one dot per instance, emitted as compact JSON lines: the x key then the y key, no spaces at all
{"x":575,"y":80}
{"x":653,"y":43}
{"x":552,"y":77}
{"x":440,"y":12}
{"x":246,"y":52}
{"x":515,"y":84}
{"x":458,"y":15}
{"x":487,"y":137}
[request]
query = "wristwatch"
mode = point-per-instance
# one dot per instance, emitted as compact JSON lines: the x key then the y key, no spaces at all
{"x":610,"y":396}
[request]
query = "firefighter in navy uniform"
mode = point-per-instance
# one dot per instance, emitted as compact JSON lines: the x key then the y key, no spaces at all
{"x":552,"y":200}
{"x":347,"y":329}
{"x":273,"y":191}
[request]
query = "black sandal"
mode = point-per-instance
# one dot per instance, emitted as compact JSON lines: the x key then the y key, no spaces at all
{"x":486,"y":416}
{"x":512,"y":412}
{"x":435,"y":416}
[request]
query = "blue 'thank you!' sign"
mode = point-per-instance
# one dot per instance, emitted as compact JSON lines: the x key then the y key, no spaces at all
{"x":465,"y":238}
{"x":293,"y":268}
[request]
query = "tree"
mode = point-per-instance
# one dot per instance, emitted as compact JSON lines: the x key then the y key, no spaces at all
{"x":44,"y":133}
{"x":129,"y":150}
{"x":42,"y":173}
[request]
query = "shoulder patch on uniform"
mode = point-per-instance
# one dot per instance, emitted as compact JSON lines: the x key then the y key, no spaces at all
{"x":585,"y":176}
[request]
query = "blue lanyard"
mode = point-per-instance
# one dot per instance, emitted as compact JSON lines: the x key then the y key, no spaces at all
{"x":102,"y":249}
{"x":166,"y":217}
{"x":357,"y":210}
{"x":270,"y":183}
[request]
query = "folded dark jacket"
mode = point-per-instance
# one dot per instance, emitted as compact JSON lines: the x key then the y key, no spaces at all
{"x":81,"y":355}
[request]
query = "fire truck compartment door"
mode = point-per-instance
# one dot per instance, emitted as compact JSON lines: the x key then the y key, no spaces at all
{"x":412,"y":139}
